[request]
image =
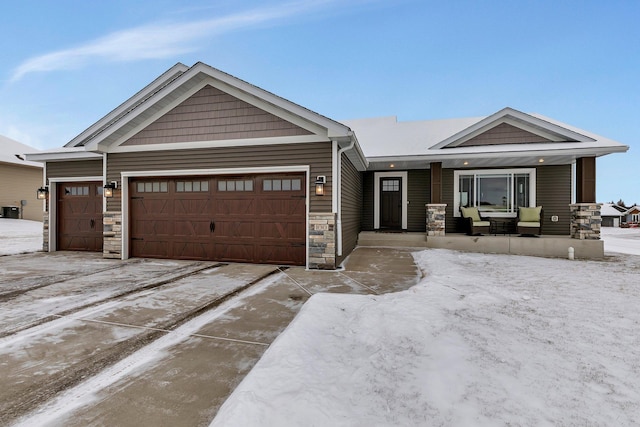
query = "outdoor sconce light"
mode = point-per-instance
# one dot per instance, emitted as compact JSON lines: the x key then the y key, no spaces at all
{"x":320,"y":181}
{"x":42,"y":193}
{"x":108,"y":188}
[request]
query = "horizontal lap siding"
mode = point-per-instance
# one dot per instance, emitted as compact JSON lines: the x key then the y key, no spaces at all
{"x":351,"y":206}
{"x":553,"y":193}
{"x":19,"y":183}
{"x":74,"y":169}
{"x":418,"y":194}
{"x":317,"y":155}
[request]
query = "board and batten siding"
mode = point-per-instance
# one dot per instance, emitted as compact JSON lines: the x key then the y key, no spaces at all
{"x":72,"y":169}
{"x":418,"y":195}
{"x":553,"y":193}
{"x":351,"y":207}
{"x":317,"y":155}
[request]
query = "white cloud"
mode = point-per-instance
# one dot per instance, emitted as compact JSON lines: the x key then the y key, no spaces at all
{"x":160,"y":40}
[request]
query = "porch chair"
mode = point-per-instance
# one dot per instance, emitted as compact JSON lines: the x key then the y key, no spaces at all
{"x":476,"y":225}
{"x":530,"y":221}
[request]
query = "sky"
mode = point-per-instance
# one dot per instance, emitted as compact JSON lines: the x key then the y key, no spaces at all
{"x":65,"y":64}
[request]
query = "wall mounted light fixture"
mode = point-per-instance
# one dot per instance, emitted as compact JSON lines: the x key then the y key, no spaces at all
{"x":108,"y":188}
{"x":42,"y":193}
{"x":320,"y":181}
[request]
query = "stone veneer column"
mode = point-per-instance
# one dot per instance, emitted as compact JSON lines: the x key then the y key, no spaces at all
{"x":435,"y":219}
{"x":45,"y":232}
{"x":112,"y":235}
{"x":322,"y":241}
{"x":585,"y":221}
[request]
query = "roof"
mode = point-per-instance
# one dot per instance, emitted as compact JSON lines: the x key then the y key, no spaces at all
{"x":611,"y":209}
{"x":175,"y":84}
{"x":386,"y":140}
{"x":13,"y":152}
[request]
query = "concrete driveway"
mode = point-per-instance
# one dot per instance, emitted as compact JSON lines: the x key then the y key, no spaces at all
{"x":89,"y":341}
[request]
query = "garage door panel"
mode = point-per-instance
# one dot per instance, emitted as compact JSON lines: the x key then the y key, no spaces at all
{"x":282,"y":206}
{"x":225,"y":206}
{"x":151,"y":249}
{"x":235,"y":251}
{"x":192,"y":207}
{"x":79,"y":216}
{"x":191,"y":250}
{"x":231,"y":218}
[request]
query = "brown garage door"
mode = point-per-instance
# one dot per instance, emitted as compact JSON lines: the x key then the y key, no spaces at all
{"x":79,"y":216}
{"x":252,"y":218}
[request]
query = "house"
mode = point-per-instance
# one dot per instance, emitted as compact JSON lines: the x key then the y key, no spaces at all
{"x":18,"y":180}
{"x":612,"y":215}
{"x":632,"y":215}
{"x":202,"y":165}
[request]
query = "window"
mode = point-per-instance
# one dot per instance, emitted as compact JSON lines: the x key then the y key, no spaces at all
{"x":281,"y":184}
{"x":152,"y":187}
{"x":235,"y":185}
{"x":192,"y":186}
{"x":391,"y":185}
{"x":496,"y":192}
{"x":76,"y":191}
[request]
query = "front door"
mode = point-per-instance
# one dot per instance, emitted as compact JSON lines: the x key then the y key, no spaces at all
{"x":391,"y":203}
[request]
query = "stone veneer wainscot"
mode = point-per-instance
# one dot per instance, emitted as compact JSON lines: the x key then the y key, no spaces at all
{"x":435,"y":219}
{"x":585,"y":221}
{"x":112,"y":233}
{"x":322,"y":241}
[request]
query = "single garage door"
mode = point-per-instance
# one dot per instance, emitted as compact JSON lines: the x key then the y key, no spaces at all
{"x":79,"y":215}
{"x":252,"y":218}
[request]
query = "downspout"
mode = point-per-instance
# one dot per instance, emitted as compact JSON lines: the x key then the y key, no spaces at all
{"x":338,"y":179}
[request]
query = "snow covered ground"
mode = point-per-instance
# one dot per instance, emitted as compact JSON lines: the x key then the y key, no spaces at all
{"x":482,"y":340}
{"x":19,"y":236}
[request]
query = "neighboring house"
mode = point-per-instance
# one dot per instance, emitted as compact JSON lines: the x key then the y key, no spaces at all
{"x":19,"y":180}
{"x":632,"y":215}
{"x":207,"y":166}
{"x":612,"y":215}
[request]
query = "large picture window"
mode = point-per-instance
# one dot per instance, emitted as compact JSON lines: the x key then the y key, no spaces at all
{"x":495,"y":192}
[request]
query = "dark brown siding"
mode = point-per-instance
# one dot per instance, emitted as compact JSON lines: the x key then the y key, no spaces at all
{"x":504,"y":134}
{"x":418,"y":195}
{"x":351,"y":206}
{"x":78,"y":168}
{"x":213,"y":115}
{"x":367,"y":201}
{"x":317,"y":155}
{"x":553,"y":193}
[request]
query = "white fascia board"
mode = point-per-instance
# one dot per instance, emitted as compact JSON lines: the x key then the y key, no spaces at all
{"x":59,"y":156}
{"x":516,"y":118}
{"x":334,"y":128}
{"x":274,"y":104}
{"x":595,"y":151}
{"x":129,"y":103}
{"x":98,"y":144}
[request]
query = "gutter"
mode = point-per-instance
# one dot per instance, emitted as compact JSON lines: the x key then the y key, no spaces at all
{"x":338,"y":179}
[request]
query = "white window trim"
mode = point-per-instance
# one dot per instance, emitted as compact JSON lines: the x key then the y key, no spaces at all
{"x":456,"y":187}
{"x":404,"y":177}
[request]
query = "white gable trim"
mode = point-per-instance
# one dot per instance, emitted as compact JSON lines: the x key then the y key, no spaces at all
{"x":518,"y":119}
{"x":270,"y":108}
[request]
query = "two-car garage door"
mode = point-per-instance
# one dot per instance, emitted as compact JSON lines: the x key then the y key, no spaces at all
{"x":252,"y":218}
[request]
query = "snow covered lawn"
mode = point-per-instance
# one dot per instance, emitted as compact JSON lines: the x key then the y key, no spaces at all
{"x":19,"y":236}
{"x":482,"y":340}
